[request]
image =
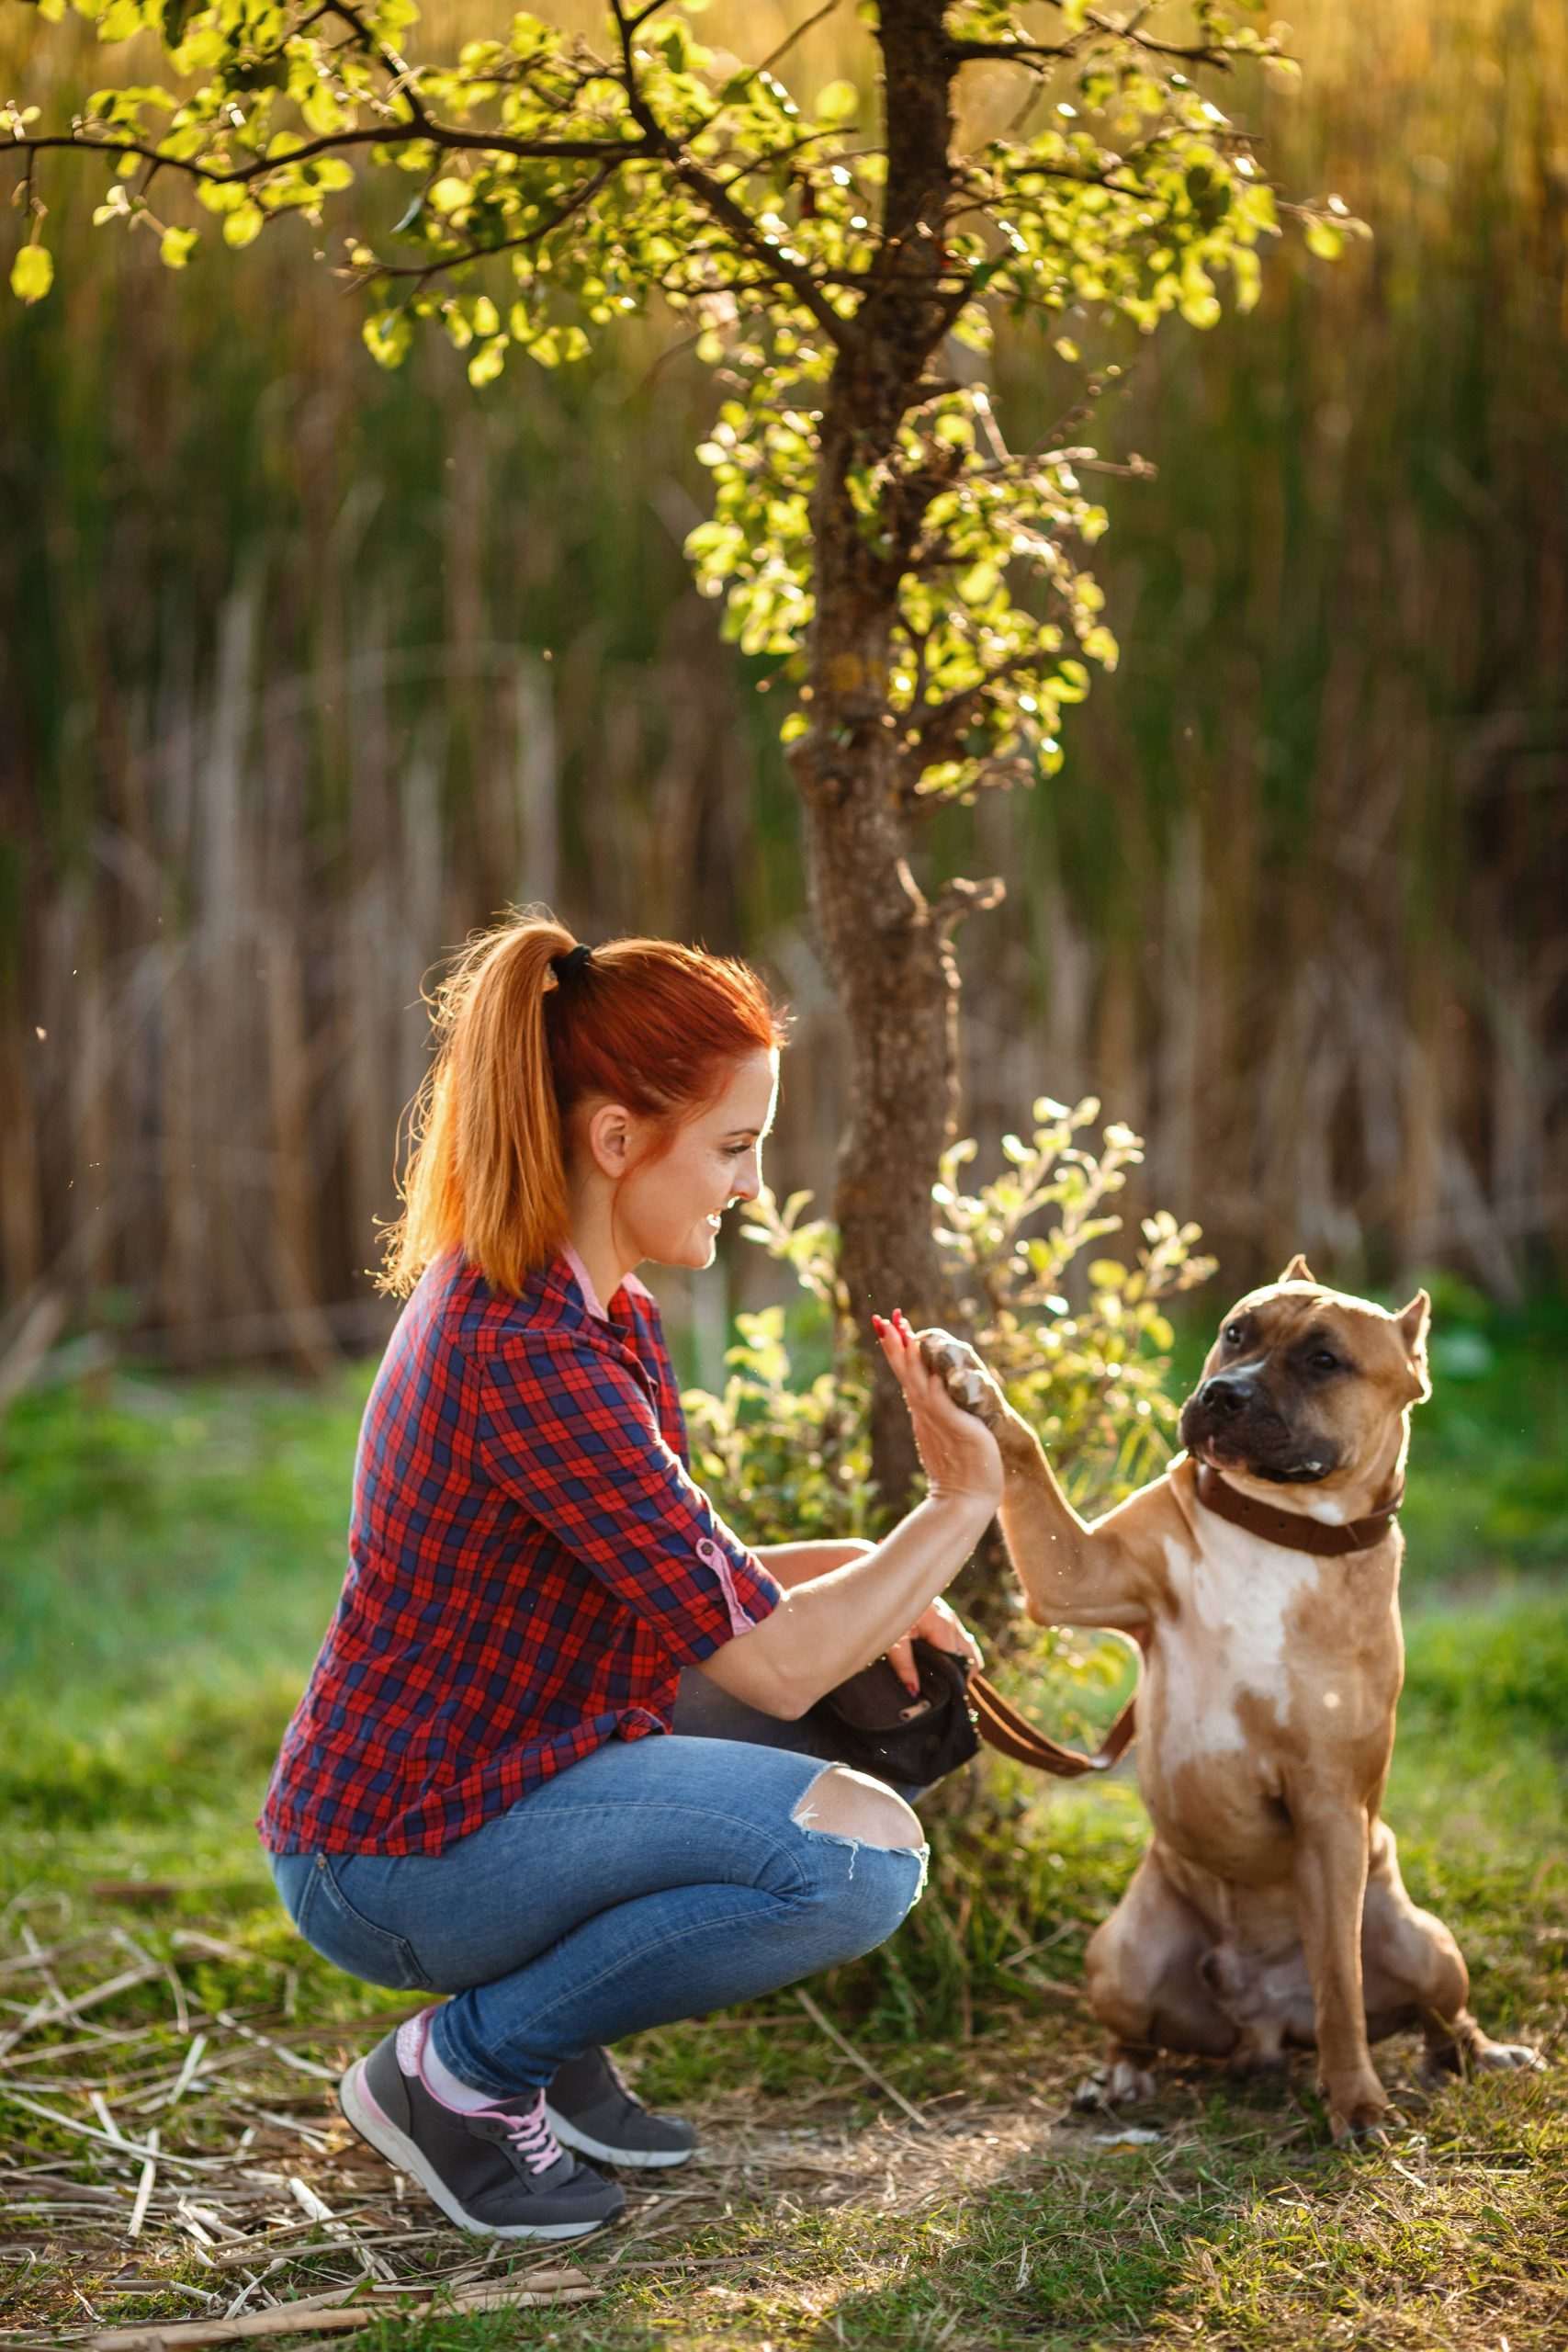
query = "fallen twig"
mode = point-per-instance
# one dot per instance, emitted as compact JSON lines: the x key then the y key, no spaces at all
{"x":183,"y":2080}
{"x":321,"y":2314}
{"x":144,"y":2185}
{"x":121,"y":2145}
{"x":841,"y":2042}
{"x":55,"y":2011}
{"x":289,"y":2057}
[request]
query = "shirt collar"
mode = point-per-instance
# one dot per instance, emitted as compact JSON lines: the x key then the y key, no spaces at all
{"x":591,"y":1299}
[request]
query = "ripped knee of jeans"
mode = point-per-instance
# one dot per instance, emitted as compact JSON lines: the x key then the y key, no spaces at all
{"x":844,"y":1804}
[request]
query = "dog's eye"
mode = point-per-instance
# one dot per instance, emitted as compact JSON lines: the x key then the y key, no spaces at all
{"x":1233,"y":1334}
{"x":1321,"y":1361}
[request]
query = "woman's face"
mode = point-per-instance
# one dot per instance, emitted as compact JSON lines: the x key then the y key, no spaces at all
{"x":669,"y":1210}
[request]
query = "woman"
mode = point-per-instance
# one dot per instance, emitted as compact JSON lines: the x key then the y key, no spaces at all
{"x":481,"y":1792}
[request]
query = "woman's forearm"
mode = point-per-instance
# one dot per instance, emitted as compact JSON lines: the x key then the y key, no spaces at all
{"x":837,"y":1622}
{"x":802,"y":1563}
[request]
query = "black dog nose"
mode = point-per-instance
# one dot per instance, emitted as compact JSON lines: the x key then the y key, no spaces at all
{"x":1225,"y":1397}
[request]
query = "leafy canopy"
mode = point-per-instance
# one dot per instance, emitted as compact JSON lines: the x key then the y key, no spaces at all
{"x":527,"y":192}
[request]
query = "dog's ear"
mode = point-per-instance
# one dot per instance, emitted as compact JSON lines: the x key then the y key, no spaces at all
{"x":1413,"y":1322}
{"x":1298,"y":1271}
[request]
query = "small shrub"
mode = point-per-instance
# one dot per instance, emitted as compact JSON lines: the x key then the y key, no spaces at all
{"x":792,"y":1456}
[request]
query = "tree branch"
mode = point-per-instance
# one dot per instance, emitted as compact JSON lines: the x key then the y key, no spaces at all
{"x":959,"y":898}
{"x":714,"y":198}
{"x":401,"y":73}
{"x":424,"y":270}
{"x":789,"y":39}
{"x":937,"y":735}
{"x":437,"y":134}
{"x":1013,"y":53}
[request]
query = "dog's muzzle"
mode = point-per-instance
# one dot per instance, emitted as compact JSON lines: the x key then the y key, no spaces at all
{"x":1230,"y":1419}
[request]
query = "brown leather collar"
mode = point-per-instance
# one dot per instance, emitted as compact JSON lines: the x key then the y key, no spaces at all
{"x":1293,"y":1529}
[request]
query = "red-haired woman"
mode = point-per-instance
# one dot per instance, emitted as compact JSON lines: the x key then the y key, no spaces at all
{"x":492,"y":1788}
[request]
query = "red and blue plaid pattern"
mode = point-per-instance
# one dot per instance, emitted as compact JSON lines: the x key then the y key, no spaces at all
{"x":530,"y":1564}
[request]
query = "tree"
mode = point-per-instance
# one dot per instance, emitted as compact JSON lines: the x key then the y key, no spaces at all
{"x":842,"y":266}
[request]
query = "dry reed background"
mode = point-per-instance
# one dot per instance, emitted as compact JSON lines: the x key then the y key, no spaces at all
{"x":304,"y":671}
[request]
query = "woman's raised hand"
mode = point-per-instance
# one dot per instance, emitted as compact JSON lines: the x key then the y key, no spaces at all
{"x":958,"y":1452}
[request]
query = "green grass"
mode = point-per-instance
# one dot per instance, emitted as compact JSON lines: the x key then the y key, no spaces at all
{"x":172,"y":1550}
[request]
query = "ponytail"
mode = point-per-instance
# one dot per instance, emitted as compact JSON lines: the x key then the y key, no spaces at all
{"x":646,"y":1023}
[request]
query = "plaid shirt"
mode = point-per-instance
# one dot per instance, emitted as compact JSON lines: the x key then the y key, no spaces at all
{"x":530,"y":1564}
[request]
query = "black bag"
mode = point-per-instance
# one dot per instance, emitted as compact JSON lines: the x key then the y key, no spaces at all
{"x":875,"y":1725}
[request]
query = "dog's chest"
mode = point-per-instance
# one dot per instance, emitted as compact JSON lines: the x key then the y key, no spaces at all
{"x":1229,"y":1637}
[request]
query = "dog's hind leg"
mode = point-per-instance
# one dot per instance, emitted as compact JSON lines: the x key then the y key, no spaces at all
{"x":1144,"y":1985}
{"x":1414,"y":1975}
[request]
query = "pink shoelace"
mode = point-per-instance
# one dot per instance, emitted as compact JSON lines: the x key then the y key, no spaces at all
{"x":532,"y":2137}
{"x":528,"y":2133}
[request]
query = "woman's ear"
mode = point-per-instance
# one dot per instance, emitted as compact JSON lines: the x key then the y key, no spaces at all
{"x":608,"y":1135}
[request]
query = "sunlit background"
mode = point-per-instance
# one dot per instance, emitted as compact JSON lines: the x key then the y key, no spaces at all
{"x":307,"y":669}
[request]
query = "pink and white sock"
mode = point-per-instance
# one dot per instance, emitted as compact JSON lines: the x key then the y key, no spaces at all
{"x":417,"y":2054}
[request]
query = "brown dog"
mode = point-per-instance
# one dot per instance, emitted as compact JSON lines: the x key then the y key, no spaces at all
{"x":1261,"y":1576}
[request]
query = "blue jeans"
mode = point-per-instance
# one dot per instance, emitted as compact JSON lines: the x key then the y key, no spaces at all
{"x":657,"y":1879}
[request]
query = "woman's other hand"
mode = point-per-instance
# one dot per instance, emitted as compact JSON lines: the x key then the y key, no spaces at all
{"x":958,"y":1453}
{"x":944,"y":1630}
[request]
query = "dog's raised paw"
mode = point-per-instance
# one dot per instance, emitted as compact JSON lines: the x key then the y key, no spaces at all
{"x":967,"y":1380}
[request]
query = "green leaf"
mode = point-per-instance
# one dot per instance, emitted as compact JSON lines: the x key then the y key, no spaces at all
{"x":32,"y":274}
{"x":488,"y":361}
{"x":176,"y":247}
{"x":121,"y":20}
{"x":243,"y":225}
{"x":840,"y":102}
{"x":387,"y":336}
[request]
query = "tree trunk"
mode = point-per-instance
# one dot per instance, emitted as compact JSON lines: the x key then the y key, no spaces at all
{"x":887,"y":947}
{"x":896,"y":980}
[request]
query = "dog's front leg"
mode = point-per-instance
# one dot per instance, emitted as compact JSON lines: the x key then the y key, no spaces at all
{"x":1331,"y":1845}
{"x":1071,"y":1574}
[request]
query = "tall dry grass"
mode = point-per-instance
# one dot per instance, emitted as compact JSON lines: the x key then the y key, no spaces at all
{"x":306,"y":670}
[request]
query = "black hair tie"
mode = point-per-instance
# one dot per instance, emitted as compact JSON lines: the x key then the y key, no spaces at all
{"x":572,"y":960}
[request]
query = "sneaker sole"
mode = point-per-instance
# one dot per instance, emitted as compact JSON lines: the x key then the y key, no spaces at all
{"x":374,"y":2125}
{"x":638,"y":2159}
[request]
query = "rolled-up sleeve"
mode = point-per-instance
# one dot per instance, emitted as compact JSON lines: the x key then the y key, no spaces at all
{"x":574,"y":1437}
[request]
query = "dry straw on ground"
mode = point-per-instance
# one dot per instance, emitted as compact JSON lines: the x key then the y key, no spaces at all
{"x":222,"y":2178}
{"x":174,"y":2171}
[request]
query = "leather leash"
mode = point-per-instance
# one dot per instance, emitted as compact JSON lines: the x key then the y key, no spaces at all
{"x":1002,"y":1727}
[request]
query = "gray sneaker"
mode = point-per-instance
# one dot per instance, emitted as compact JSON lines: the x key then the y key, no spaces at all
{"x":589,"y":2107}
{"x":498,"y":2172}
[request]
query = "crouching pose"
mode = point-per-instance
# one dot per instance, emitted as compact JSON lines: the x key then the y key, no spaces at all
{"x":1260,"y":1577}
{"x":500,"y":1785}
